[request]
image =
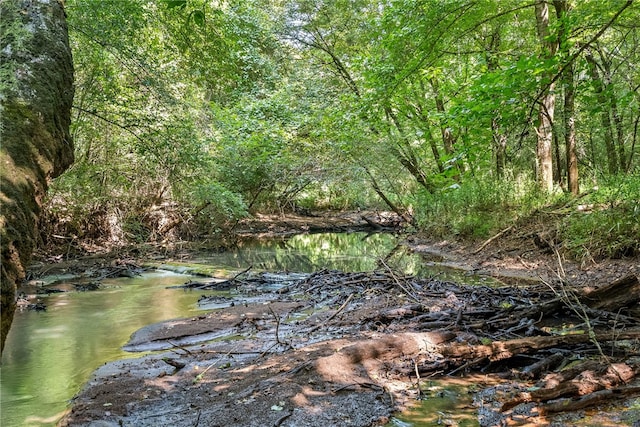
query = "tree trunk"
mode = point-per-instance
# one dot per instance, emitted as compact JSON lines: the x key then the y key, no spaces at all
{"x":447,"y":135}
{"x":613,"y":105}
{"x":499,"y":138}
{"x":612,"y":157}
{"x":37,"y":72}
{"x":405,"y":155}
{"x":622,"y":294}
{"x":562,"y":9}
{"x":425,"y":124}
{"x":402,"y":213}
{"x":499,"y":147}
{"x":570,"y":134}
{"x":544,"y":129}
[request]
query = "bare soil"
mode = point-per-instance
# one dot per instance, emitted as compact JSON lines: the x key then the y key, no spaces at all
{"x":334,"y":349}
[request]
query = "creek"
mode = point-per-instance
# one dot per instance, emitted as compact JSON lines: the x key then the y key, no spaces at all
{"x":50,"y":354}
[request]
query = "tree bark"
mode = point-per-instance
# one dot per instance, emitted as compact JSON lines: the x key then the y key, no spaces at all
{"x":448,"y":138}
{"x":613,"y":105}
{"x":499,"y":138}
{"x":37,"y":93}
{"x":567,"y":79}
{"x":546,"y":109}
{"x":599,"y":87}
{"x":623,"y":293}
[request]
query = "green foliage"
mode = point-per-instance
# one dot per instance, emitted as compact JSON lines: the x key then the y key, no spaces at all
{"x":475,"y":209}
{"x":222,"y":205}
{"x":606,"y":223}
{"x":211,"y":111}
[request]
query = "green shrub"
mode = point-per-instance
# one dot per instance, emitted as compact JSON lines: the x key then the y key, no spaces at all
{"x":606,"y":222}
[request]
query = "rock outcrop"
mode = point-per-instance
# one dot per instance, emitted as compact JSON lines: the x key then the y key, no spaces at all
{"x":36,"y":93}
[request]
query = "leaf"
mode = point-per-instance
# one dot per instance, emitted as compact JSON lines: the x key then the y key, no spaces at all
{"x":198,"y":17}
{"x":172,"y":4}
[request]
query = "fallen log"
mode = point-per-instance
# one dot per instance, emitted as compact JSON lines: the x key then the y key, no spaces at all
{"x":588,"y":401}
{"x":549,"y":362}
{"x":586,"y":383}
{"x":500,"y":350}
{"x":623,"y":293}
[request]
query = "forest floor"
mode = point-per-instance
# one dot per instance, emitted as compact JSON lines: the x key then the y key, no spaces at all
{"x":336,"y":348}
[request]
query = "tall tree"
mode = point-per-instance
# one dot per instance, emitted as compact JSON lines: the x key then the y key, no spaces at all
{"x":568,"y":85}
{"x":546,"y":109}
{"x":37,"y":92}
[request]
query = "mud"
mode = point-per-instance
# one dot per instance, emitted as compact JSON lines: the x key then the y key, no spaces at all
{"x":327,"y":349}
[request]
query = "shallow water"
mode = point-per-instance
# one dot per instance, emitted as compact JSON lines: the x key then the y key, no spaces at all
{"x":50,"y":355}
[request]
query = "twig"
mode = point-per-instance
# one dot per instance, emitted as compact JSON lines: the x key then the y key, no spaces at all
{"x":268,"y":350}
{"x":178,"y":346}
{"x":342,"y":307}
{"x":573,"y":302}
{"x":229,"y":281}
{"x":198,"y":418}
{"x":277,"y":325}
{"x":395,"y":279}
{"x":280,"y":420}
{"x":201,"y":374}
{"x":415,"y":367}
{"x":482,"y":246}
{"x":241,"y":273}
{"x":466,"y":365}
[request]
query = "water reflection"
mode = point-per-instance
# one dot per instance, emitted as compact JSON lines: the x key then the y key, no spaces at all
{"x":307,"y":253}
{"x":49,"y":355}
{"x":441,"y":404}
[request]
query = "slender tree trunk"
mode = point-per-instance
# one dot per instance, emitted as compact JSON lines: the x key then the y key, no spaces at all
{"x":405,"y":155}
{"x":499,"y":138}
{"x":434,"y":149}
{"x":633,"y":142}
{"x":568,"y":85}
{"x":499,"y":147}
{"x":613,"y":105}
{"x":570,"y":132}
{"x":612,"y":157}
{"x":558,"y":169}
{"x":617,"y":120}
{"x":448,"y":139}
{"x":544,"y":129}
{"x":420,"y":111}
{"x":402,"y":213}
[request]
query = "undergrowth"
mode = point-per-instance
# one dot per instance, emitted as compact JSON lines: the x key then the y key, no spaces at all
{"x":605,"y":222}
{"x":476,"y":209}
{"x":602,"y":222}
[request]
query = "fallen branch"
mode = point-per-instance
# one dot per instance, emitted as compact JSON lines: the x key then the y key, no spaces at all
{"x":342,"y":307}
{"x":622,"y":293}
{"x":587,"y":401}
{"x":487,"y":242}
{"x":500,"y":350}
{"x":588,"y":382}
